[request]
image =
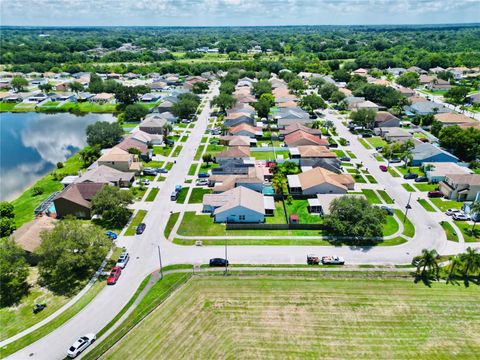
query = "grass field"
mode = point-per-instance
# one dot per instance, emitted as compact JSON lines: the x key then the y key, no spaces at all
{"x":170,"y":224}
{"x":408,"y":187}
{"x":182,"y":195}
{"x":136,"y":220}
{"x":196,"y":197}
{"x":444,"y":205}
{"x":152,"y":194}
{"x":426,"y":205}
{"x":408,"y":228}
{"x":392,"y":172}
{"x":383,"y":194}
{"x":449,"y":231}
{"x":278,"y":317}
{"x":371,"y":196}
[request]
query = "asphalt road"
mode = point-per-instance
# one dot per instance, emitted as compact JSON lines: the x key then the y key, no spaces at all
{"x":144,"y":249}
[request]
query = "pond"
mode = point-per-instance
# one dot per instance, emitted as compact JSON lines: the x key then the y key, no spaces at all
{"x":33,"y":143}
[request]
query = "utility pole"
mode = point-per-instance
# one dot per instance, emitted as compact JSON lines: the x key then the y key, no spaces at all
{"x":160,"y":261}
{"x":226,"y":257}
{"x":407,"y":207}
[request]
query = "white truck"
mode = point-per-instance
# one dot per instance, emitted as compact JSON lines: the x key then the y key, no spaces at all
{"x":332,"y":260}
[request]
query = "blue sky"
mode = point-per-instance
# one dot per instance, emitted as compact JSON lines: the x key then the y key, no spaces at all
{"x":235,"y":12}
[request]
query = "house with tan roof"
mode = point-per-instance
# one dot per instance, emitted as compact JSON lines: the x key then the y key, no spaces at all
{"x":426,"y":79}
{"x":242,"y":108}
{"x":461,"y":187}
{"x":320,"y":181}
{"x":132,"y":143}
{"x":246,"y":130}
{"x":311,"y":151}
{"x":439,"y":84}
{"x":454,"y":119}
{"x":103,"y":97}
{"x":75,"y":200}
{"x":107,"y":175}
{"x":238,"y":205}
{"x":386,"y":119}
{"x":153,"y":124}
{"x":253,"y":180}
{"x":299,"y":127}
{"x":146,"y":138}
{"x":121,"y":160}
{"x":360,"y":72}
{"x":437,"y":171}
{"x":28,"y":235}
{"x":237,"y":140}
{"x":300,"y":137}
{"x":233,"y":152}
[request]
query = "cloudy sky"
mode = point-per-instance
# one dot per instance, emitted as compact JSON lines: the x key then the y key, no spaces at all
{"x":236,"y":12}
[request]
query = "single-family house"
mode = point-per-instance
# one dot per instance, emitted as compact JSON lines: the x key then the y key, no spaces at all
{"x":107,"y":175}
{"x":425,"y":108}
{"x":146,"y":138}
{"x":396,"y":71}
{"x":254,"y":180}
{"x":75,"y":200}
{"x":299,"y":138}
{"x":238,"y":205}
{"x":461,"y":187}
{"x":360,"y":72}
{"x":242,"y":109}
{"x":320,"y":181}
{"x":436,"y":69}
{"x":290,"y":115}
{"x":132,"y":143}
{"x":233,"y":152}
{"x":437,"y":171}
{"x":299,"y":127}
{"x":439,"y":84}
{"x":153,"y":124}
{"x":246,"y":130}
{"x":164,"y":106}
{"x":121,"y":160}
{"x":103,"y":97}
{"x":454,"y":119}
{"x":150,"y":97}
{"x":369,"y":105}
{"x":385,"y":119}
{"x":473,"y":99}
{"x":311,"y":152}
{"x":235,"y":119}
{"x":393,"y":134}
{"x":426,"y":79}
{"x":158,"y":86}
{"x":238,"y":140}
{"x":423,"y":153}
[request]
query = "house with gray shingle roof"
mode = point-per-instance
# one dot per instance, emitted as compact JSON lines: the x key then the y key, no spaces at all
{"x":430,"y":153}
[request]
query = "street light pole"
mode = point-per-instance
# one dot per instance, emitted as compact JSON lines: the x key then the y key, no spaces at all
{"x":160,"y":261}
{"x":407,"y":207}
{"x":226,"y":257}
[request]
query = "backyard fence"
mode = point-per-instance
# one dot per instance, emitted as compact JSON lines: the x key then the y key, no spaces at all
{"x":261,"y":226}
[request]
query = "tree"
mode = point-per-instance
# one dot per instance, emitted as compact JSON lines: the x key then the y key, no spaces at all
{"x":135,"y":112}
{"x":296,"y":85}
{"x":104,"y":134}
{"x":457,"y":94}
{"x":268,"y":97}
{"x":426,"y":261}
{"x":134,"y":151}
{"x":455,"y":263}
{"x":337,"y":96}
{"x":356,"y":218}
{"x":185,"y":108}
{"x":18,"y":83}
{"x":475,"y":211}
{"x":262,"y":107}
{"x":341,"y":75}
{"x":199,"y":87}
{"x":327,"y":90}
{"x":47,"y":87}
{"x":126,"y":95}
{"x":167,"y":129}
{"x":312,"y":102}
{"x":227,"y":87}
{"x":463,"y":143}
{"x":6,"y":210}
{"x":316,"y":82}
{"x":207,"y":158}
{"x":224,"y":101}
{"x":471,"y":261}
{"x":409,"y":79}
{"x":364,"y":118}
{"x":70,"y":253}
{"x":75,"y":86}
{"x":13,"y":273}
{"x":111,"y":204}
{"x":89,"y":154}
{"x":7,"y":226}
{"x":261,"y":87}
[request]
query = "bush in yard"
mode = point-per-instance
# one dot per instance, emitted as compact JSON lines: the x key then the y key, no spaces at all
{"x":7,"y":226}
{"x":6,"y":210}
{"x":135,"y":112}
{"x":13,"y":273}
{"x":70,"y":253}
{"x":37,"y":190}
{"x":111,"y":204}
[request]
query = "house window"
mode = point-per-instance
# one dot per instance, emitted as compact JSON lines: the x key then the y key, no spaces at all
{"x":241,"y":217}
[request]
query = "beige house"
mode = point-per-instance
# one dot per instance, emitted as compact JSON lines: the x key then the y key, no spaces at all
{"x":454,"y":119}
{"x":121,"y":160}
{"x":320,"y":181}
{"x":461,"y":187}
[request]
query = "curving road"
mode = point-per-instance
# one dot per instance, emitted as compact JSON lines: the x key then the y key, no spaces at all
{"x":144,"y":254}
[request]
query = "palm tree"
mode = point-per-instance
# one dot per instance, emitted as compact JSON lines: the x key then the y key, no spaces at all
{"x":455,"y":263}
{"x":167,"y":129}
{"x":279,"y":181}
{"x":317,"y":124}
{"x":471,"y":261}
{"x":428,"y":260}
{"x":475,"y":213}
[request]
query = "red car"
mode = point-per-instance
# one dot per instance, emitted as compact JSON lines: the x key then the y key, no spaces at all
{"x":114,"y":275}
{"x":383,"y":168}
{"x":435,"y":194}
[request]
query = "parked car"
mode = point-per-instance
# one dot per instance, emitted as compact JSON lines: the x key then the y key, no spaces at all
{"x":80,"y":345}
{"x":112,"y":235}
{"x":367,"y":135}
{"x":218,"y":262}
{"x":149,"y":171}
{"x":145,"y":181}
{"x":123,"y":260}
{"x":421,"y":179}
{"x":114,"y":275}
{"x":333,"y":145}
{"x":379,"y":148}
{"x":203,"y":175}
{"x":394,"y":161}
{"x":345,"y":158}
{"x":202,"y":182}
{"x":178,"y":188}
{"x":39,"y":307}
{"x":313,"y":259}
{"x":424,"y":140}
{"x":410,"y":176}
{"x":174,"y":196}
{"x":460,"y":216}
{"x":169,"y":142}
{"x":435,"y":194}
{"x":162,"y":171}
{"x":347,"y":143}
{"x":387,"y":209}
{"x":384,"y":168}
{"x":450,"y":212}
{"x":140,"y":228}
{"x":332,"y":260}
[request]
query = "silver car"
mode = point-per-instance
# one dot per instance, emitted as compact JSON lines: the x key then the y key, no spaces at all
{"x":123,"y":260}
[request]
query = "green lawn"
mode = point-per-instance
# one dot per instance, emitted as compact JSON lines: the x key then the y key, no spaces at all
{"x":152,"y":194}
{"x":444,"y":205}
{"x":378,"y":157}
{"x":214,"y":148}
{"x":168,"y":166}
{"x":270,"y":155}
{"x":466,"y":230}
{"x":162,"y":150}
{"x":184,"y":138}
{"x":371,"y":179}
{"x":177,"y":150}
{"x":408,"y":187}
{"x":284,"y":317}
{"x":199,"y":152}
{"x":55,"y":323}
{"x":449,"y":231}
{"x":300,"y":207}
{"x":408,"y":228}
{"x":196,"y":197}
{"x":7,"y":106}
{"x":205,"y":167}
{"x":371,"y":196}
{"x":426,"y":187}
{"x":27,"y":202}
{"x":426,"y":205}
{"x":376,"y":141}
{"x":193,"y":169}
{"x":351,"y":155}
{"x":170,"y":224}
{"x":359,"y":179}
{"x":411,"y":170}
{"x":139,"y":216}
{"x":391,"y":226}
{"x":365,"y":144}
{"x":340,"y":153}
{"x":154,"y":164}
{"x":392,"y":172}
{"x":383,"y":194}
{"x":182,"y":195}
{"x":138,"y":192}
{"x":90,"y":107}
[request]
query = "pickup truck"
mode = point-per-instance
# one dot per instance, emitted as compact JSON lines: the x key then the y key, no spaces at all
{"x":332,"y":260}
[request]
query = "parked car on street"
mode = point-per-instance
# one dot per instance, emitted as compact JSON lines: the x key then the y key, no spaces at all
{"x":410,"y":176}
{"x":114,"y":275}
{"x":202,"y":182}
{"x":387,"y":209}
{"x":313,"y":259}
{"x":80,"y":345}
{"x":421,"y":179}
{"x":149,"y":171}
{"x":140,"y":228}
{"x":451,"y":212}
{"x":203,"y":175}
{"x":435,"y":194}
{"x":112,"y":235}
{"x":162,"y":171}
{"x":218,"y":262}
{"x":384,"y":168}
{"x":333,"y":145}
{"x":460,"y":217}
{"x":332,"y":260}
{"x":345,"y":158}
{"x":123,"y":260}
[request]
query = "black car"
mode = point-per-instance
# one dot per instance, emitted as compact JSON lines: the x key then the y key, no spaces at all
{"x":218,"y":262}
{"x":169,"y":142}
{"x":162,"y":170}
{"x":344,"y":158}
{"x":140,"y":228}
{"x":387,"y":209}
{"x":367,"y":135}
{"x":410,"y":176}
{"x":333,"y":145}
{"x":149,"y":172}
{"x":379,"y":148}
{"x":421,"y":179}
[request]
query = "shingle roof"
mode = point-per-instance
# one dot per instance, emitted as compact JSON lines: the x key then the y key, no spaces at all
{"x":244,"y":127}
{"x":296,"y":136}
{"x":105,"y":174}
{"x":234,"y":152}
{"x":424,"y":151}
{"x":318,"y":176}
{"x":80,"y":193}
{"x":315,"y":151}
{"x":239,"y":196}
{"x":468,"y":179}
{"x":297,"y":126}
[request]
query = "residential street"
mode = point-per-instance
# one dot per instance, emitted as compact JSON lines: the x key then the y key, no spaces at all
{"x":144,"y":252}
